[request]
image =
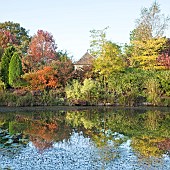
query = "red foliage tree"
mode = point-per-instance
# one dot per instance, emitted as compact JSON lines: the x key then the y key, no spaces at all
{"x":42,"y":48}
{"x":164,"y":60}
{"x":83,"y":73}
{"x":7,"y":38}
{"x":164,"y":57}
{"x":64,"y":70}
{"x":164,"y":145}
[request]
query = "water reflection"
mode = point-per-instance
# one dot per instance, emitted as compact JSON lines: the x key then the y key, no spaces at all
{"x":86,"y":139}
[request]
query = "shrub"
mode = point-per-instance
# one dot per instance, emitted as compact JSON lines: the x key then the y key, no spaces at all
{"x":26,"y":100}
{"x":153,"y":91}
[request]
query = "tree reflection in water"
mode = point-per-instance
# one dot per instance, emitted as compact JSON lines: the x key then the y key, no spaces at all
{"x":41,"y":135}
{"x":145,"y":131}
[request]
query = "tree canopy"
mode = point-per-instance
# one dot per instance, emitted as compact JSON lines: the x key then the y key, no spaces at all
{"x":6,"y":58}
{"x":20,"y":33}
{"x":147,"y":40}
{"x":42,"y":48}
{"x":15,"y":70}
{"x":110,"y":60}
{"x":151,"y":24}
{"x":98,"y":39}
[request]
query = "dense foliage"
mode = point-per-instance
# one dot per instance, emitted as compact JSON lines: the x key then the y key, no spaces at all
{"x":15,"y":70}
{"x":41,"y":49}
{"x":19,"y":33}
{"x":135,"y":74}
{"x":6,"y":58}
{"x":42,"y":79}
{"x":6,"y":38}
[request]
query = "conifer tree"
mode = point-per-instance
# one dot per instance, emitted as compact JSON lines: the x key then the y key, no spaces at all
{"x":15,"y":70}
{"x":5,"y":65}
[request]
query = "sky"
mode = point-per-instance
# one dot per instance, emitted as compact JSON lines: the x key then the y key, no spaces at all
{"x":70,"y":21}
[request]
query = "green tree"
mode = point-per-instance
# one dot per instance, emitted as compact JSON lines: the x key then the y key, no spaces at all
{"x":15,"y":70}
{"x":89,"y":90}
{"x":110,"y":60}
{"x":153,"y":91}
{"x":97,"y":42}
{"x":63,"y":55}
{"x":1,"y":52}
{"x":73,"y":91}
{"x":126,"y":87}
{"x":5,"y":65}
{"x":164,"y":80}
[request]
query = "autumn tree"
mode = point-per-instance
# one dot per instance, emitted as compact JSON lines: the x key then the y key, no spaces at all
{"x":145,"y":53}
{"x":64,"y":69}
{"x":109,"y":63}
{"x":108,"y":54}
{"x":164,"y":60}
{"x":84,"y":73}
{"x":110,"y":60}
{"x":164,"y":57}
{"x":146,"y":40}
{"x":6,"y":39}
{"x":43,"y":79}
{"x":20,"y":33}
{"x":6,"y":58}
{"x":42,"y":48}
{"x":59,"y":70}
{"x":15,"y":70}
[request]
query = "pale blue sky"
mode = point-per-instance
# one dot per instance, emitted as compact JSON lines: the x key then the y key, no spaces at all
{"x":70,"y":21}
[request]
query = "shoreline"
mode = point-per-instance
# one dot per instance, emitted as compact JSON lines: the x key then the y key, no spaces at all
{"x":78,"y":108}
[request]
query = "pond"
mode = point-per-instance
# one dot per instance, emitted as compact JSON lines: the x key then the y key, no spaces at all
{"x":88,"y":138}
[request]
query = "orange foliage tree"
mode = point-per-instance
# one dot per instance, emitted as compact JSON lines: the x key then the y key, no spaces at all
{"x":42,"y":134}
{"x":42,"y":79}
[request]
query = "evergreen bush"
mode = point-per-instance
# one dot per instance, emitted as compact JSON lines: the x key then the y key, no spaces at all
{"x":6,"y":58}
{"x":15,"y":70}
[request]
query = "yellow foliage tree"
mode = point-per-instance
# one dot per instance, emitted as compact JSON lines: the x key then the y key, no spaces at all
{"x":110,"y":60}
{"x":145,"y":53}
{"x":147,"y":146}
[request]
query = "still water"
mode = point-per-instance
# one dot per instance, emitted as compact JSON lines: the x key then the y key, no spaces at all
{"x":84,"y":138}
